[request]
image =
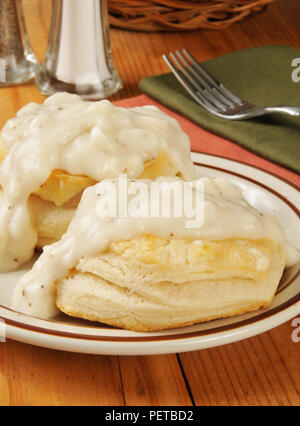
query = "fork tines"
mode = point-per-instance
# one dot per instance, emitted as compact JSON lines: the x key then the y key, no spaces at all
{"x":201,"y":85}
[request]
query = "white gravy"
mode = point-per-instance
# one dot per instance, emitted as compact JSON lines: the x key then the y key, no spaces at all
{"x":226,"y":215}
{"x":96,"y":139}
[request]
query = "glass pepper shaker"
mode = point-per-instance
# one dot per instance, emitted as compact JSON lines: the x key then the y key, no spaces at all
{"x":17,"y":62}
{"x":78,"y":58}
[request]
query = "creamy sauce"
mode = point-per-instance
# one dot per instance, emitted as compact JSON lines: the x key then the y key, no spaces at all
{"x":226,"y":215}
{"x":96,"y":139}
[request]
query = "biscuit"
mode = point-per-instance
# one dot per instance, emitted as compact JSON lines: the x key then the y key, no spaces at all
{"x":53,"y":205}
{"x":141,"y":294}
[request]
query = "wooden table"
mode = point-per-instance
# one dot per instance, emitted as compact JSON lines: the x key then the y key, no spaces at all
{"x":263,"y":370}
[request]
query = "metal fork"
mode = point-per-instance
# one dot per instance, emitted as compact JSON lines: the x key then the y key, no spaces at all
{"x":213,"y":95}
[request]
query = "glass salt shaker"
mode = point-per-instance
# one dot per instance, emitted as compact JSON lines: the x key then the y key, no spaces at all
{"x":17,"y":62}
{"x":78,"y":58}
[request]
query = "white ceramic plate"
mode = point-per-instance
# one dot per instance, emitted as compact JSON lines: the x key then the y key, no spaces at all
{"x":265,"y":192}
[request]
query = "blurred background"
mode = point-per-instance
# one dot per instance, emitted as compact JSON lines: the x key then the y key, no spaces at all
{"x":138,"y":54}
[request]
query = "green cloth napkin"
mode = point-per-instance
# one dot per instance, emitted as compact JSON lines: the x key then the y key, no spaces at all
{"x":262,"y":76}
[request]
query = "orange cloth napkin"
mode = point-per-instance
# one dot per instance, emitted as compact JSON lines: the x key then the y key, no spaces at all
{"x":208,"y":143}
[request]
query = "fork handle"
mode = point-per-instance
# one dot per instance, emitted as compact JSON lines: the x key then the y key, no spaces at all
{"x":290,"y":110}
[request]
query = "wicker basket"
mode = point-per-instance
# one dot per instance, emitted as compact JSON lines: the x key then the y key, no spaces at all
{"x":177,"y":15}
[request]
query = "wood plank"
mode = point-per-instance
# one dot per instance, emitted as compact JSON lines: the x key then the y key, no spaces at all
{"x":4,"y":391}
{"x":36,"y":376}
{"x":153,"y":380}
{"x":263,"y":370}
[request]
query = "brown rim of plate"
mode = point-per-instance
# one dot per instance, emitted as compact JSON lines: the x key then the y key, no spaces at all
{"x":292,"y":184}
{"x":191,"y":334}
